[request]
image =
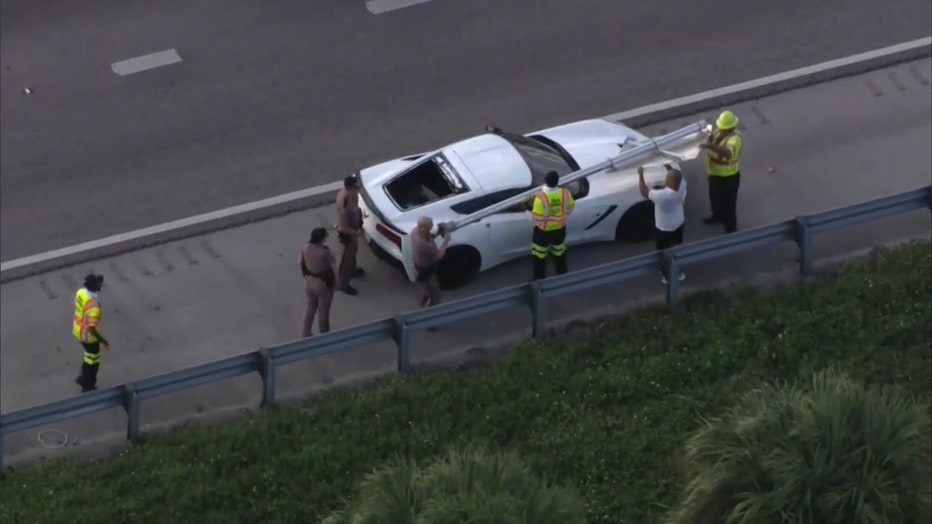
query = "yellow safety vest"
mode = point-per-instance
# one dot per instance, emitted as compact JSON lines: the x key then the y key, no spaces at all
{"x":86,"y":316}
{"x":551,"y":207}
{"x":718,"y":165}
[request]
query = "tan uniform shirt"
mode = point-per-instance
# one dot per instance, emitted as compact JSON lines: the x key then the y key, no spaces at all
{"x":318,"y":259}
{"x":350,"y":218}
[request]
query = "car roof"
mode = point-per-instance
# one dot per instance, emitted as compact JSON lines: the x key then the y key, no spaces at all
{"x":491,"y":161}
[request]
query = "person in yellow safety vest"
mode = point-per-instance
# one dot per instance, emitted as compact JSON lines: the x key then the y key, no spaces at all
{"x":550,"y":210}
{"x":86,"y":328}
{"x":724,"y":153}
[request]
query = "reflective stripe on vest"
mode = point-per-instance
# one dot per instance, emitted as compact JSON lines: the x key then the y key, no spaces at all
{"x":717,"y":164}
{"x":550,"y":221}
{"x":84,"y":304}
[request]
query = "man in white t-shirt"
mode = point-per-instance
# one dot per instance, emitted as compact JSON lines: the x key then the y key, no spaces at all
{"x":669,"y":217}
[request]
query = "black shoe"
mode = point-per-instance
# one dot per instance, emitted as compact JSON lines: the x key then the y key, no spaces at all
{"x":349,"y":290}
{"x":79,"y":382}
{"x":711,"y":219}
{"x":359,"y":272}
{"x":85,"y":389}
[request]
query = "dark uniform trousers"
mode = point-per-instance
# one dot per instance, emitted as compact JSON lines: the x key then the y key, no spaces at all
{"x":546,"y":244}
{"x":88,"y":378}
{"x":723,"y":198}
{"x":348,"y":268}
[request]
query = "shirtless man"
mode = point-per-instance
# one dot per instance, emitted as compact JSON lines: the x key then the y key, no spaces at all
{"x":427,"y":256}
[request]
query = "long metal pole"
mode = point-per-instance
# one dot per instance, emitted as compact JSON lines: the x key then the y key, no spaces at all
{"x":637,"y":155}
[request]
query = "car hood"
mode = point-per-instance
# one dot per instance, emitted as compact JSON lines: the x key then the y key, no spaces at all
{"x":591,"y":141}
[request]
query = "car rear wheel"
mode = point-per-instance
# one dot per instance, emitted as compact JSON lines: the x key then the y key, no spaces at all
{"x":458,"y":267}
{"x":637,"y":224}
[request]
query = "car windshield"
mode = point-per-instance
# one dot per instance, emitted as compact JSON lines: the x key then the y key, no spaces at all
{"x":539,"y":157}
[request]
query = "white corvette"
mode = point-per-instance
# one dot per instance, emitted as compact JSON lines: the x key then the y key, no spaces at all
{"x":469,"y":175}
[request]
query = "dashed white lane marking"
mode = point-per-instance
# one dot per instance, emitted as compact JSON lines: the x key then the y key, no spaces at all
{"x":146,"y":62}
{"x":378,"y":7}
{"x":335,"y":186}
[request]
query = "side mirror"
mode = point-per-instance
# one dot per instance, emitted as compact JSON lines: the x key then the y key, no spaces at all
{"x":491,"y":128}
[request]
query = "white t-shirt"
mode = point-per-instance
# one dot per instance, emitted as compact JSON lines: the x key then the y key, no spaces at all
{"x":668,"y":207}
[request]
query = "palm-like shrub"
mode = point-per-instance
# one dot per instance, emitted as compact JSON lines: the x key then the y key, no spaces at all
{"x":831,"y":452}
{"x":466,"y":486}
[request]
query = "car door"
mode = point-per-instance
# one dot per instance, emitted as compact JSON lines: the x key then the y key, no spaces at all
{"x":510,"y":232}
{"x":583,"y":214}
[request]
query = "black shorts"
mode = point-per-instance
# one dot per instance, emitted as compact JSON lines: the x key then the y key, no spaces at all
{"x":345,"y":238}
{"x":668,"y":239}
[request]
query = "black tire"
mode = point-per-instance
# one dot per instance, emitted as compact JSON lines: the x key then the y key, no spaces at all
{"x":458,"y":267}
{"x":637,"y":224}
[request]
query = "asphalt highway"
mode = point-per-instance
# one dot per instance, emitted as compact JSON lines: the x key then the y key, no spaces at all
{"x":204,"y":298}
{"x":272,"y":97}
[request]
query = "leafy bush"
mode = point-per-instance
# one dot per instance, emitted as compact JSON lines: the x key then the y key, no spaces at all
{"x":832,"y":452}
{"x":466,"y":486}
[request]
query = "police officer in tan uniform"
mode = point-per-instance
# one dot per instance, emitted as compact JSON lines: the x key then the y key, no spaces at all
{"x":349,"y":228}
{"x":427,"y":256}
{"x":320,"y":273}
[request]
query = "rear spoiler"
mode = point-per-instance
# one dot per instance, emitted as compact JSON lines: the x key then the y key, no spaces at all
{"x":375,"y":210}
{"x":407,"y":259}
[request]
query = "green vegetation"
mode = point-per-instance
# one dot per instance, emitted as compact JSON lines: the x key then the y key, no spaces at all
{"x":832,"y":451}
{"x":608,"y":413}
{"x":466,"y":486}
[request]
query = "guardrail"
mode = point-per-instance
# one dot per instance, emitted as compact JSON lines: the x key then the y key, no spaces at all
{"x":534,"y":295}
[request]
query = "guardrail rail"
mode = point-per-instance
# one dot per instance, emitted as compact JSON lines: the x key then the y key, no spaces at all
{"x":534,"y":295}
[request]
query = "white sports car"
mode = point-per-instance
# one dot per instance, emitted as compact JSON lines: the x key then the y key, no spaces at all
{"x":472,"y":174}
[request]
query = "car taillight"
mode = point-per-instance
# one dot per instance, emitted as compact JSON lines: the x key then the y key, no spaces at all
{"x":389,"y":234}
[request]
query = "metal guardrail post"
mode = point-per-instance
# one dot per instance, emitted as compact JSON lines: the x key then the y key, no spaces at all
{"x":133,"y":409}
{"x":672,"y":267}
{"x":538,"y":309}
{"x":402,"y":338}
{"x":268,"y":370}
{"x":803,"y":238}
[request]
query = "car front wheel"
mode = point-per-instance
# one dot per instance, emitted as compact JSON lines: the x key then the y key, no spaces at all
{"x":637,"y":224}
{"x":458,"y":267}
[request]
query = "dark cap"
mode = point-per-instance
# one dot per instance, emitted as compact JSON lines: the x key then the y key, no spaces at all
{"x":351,"y":181}
{"x":551,"y":179}
{"x":93,"y":282}
{"x":318,"y":234}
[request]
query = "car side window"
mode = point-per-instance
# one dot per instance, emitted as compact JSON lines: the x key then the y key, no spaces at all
{"x":479,"y":203}
{"x":578,"y":188}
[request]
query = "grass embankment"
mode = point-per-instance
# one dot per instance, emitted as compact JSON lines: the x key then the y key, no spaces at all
{"x":608,"y":412}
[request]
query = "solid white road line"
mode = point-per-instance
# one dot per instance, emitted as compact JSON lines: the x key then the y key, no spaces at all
{"x":335,"y":186}
{"x":146,"y":62}
{"x":168,"y":226}
{"x":378,"y":7}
